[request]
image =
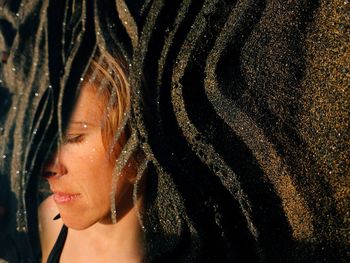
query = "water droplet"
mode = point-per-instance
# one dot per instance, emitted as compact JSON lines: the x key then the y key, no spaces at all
{"x":35,"y":131}
{"x":344,"y":70}
{"x":125,"y":22}
{"x":84,"y":125}
{"x":36,"y":94}
{"x":0,"y":80}
{"x":93,"y":78}
{"x":17,"y":172}
{"x":13,"y":69}
{"x":14,"y":108}
{"x":1,"y":128}
{"x":81,"y":79}
{"x":50,"y":86}
{"x":4,"y":156}
{"x":17,"y":14}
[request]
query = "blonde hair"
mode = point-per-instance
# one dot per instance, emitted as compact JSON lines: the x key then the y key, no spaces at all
{"x":108,"y":76}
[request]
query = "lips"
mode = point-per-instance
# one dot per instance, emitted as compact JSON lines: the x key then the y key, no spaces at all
{"x":62,"y":198}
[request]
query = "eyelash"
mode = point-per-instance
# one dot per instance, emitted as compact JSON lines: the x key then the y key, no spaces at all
{"x":73,"y":138}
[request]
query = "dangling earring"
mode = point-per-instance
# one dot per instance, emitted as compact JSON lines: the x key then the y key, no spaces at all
{"x":114,"y":215}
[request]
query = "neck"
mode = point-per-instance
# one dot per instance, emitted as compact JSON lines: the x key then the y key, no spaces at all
{"x":125,"y":235}
{"x":122,"y":240}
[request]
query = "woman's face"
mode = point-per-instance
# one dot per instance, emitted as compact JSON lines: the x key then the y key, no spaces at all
{"x":80,"y":173}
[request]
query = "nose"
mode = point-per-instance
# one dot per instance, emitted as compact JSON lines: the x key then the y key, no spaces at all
{"x":54,"y":166}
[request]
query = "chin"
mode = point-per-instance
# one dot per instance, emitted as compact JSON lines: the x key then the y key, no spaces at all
{"x":77,"y":222}
{"x":76,"y":226}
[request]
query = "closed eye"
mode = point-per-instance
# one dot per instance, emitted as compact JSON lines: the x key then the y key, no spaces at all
{"x":73,"y":138}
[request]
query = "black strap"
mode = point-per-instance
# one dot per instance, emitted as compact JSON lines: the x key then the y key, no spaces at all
{"x":56,"y":251}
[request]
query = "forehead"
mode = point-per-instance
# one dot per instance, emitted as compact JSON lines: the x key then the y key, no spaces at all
{"x":88,"y":107}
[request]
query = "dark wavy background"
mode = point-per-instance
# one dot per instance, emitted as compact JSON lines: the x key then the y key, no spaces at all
{"x":242,"y":108}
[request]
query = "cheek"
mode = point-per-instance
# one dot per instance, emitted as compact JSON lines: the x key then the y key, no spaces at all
{"x":96,"y":175}
{"x":92,"y":170}
{"x":90,"y":155}
{"x":98,"y":179}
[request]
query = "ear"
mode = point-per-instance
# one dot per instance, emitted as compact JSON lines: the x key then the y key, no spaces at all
{"x":130,"y":170}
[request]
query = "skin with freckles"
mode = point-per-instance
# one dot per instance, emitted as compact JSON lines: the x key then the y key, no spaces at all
{"x":82,"y":169}
{"x":80,"y":177}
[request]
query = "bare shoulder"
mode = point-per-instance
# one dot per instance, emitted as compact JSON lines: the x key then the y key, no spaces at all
{"x":49,"y":228}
